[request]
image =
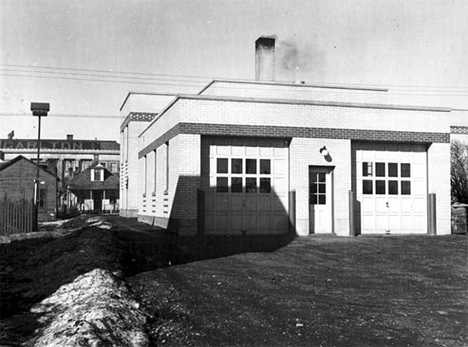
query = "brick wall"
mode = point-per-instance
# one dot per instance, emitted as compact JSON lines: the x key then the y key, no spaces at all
{"x":129,"y":168}
{"x":294,"y":92}
{"x":438,"y":171}
{"x":309,"y":115}
{"x":304,"y":153}
{"x":174,"y":201}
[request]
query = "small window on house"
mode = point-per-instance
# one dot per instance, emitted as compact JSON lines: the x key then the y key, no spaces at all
{"x":113,"y":167}
{"x":42,"y":201}
{"x":98,"y":175}
{"x":145,"y":173}
{"x":167,"y":167}
{"x":155,"y":171}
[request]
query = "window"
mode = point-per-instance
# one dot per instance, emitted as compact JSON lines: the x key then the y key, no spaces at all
{"x":145,"y":173}
{"x":97,"y":175}
{"x":166,"y":150}
{"x":393,"y":178}
{"x":318,"y":188}
{"x":155,"y":171}
{"x":113,"y":167}
{"x":366,"y":169}
{"x":42,"y":201}
{"x":367,"y":187}
{"x":243,"y":175}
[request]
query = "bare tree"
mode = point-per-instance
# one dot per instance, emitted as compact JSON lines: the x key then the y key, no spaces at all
{"x":459,"y":171}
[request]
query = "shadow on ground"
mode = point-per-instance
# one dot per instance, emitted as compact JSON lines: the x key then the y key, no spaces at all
{"x":147,"y":248}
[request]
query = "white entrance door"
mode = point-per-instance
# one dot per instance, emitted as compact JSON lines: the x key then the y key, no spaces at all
{"x":391,"y":188}
{"x":320,"y":200}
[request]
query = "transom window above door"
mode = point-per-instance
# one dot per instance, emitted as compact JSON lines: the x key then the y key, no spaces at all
{"x":386,"y":178}
{"x":243,"y":175}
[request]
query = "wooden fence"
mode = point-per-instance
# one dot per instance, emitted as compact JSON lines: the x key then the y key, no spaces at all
{"x":16,"y":216}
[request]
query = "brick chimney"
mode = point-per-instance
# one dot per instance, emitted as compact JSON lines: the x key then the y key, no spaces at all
{"x":69,"y":137}
{"x":265,"y":59}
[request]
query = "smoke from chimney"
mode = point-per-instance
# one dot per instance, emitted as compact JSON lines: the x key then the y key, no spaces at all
{"x":265,"y":59}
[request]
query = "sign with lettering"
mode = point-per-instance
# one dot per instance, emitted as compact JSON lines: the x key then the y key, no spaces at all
{"x":50,"y":144}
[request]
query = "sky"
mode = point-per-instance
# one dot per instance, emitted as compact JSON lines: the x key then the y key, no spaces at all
{"x":84,"y":56}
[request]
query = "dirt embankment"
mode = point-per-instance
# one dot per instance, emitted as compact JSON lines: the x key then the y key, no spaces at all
{"x":67,"y":287}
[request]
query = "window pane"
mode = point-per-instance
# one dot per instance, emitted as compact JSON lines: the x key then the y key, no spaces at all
{"x":322,"y":188}
{"x":236,"y":184}
{"x":393,"y":187}
{"x":367,"y":187}
{"x":366,"y":169}
{"x":313,"y":199}
{"x":265,"y":185}
{"x":313,"y":188}
{"x":405,"y":170}
{"x":222,"y":184}
{"x":380,"y":169}
{"x":322,"y":199}
{"x":265,"y":166}
{"x":380,"y":187}
{"x":321,"y":177}
{"x":251,"y":166}
{"x":222,"y":165}
{"x":250,"y":185}
{"x":236,"y":166}
{"x":405,"y":188}
{"x":392,"y":170}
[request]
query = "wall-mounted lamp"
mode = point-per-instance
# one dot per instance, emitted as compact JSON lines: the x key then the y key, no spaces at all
{"x":323,"y":151}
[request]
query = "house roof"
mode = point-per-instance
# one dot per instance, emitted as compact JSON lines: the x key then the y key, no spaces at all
{"x":16,"y":159}
{"x":82,"y":181}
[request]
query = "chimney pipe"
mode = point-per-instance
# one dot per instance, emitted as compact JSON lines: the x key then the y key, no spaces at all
{"x":265,"y":59}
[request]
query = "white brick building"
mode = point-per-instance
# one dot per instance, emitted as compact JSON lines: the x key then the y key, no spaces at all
{"x":263,"y":157}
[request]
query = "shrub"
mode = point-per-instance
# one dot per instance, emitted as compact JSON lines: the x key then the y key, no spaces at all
{"x":459,"y":171}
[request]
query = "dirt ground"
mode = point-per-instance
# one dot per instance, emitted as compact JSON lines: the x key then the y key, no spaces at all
{"x":316,"y":291}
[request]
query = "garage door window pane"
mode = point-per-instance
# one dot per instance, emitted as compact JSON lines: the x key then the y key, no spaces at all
{"x":380,"y":187}
{"x":405,"y":188}
{"x":222,"y":184}
{"x":367,"y":187}
{"x":222,"y":165}
{"x":251,"y":166}
{"x":236,"y":166}
{"x":380,"y":169}
{"x":393,"y":187}
{"x":236,"y":185}
{"x":265,"y":185}
{"x":392,"y":170}
{"x":366,"y":169}
{"x":265,"y":166}
{"x":250,"y":185}
{"x":405,"y":170}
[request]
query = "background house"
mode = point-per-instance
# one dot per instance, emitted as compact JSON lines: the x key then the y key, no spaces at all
{"x":65,"y":157}
{"x":95,"y":189}
{"x":17,"y":177}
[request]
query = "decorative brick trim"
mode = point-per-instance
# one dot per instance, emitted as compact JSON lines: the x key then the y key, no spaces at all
{"x":289,"y":132}
{"x":138,"y":117}
{"x":459,"y":130}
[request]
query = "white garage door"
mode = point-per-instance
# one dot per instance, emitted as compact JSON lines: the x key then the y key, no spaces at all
{"x":248,"y":188}
{"x":391,"y":188}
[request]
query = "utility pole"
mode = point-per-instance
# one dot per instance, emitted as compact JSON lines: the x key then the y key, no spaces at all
{"x":39,"y":109}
